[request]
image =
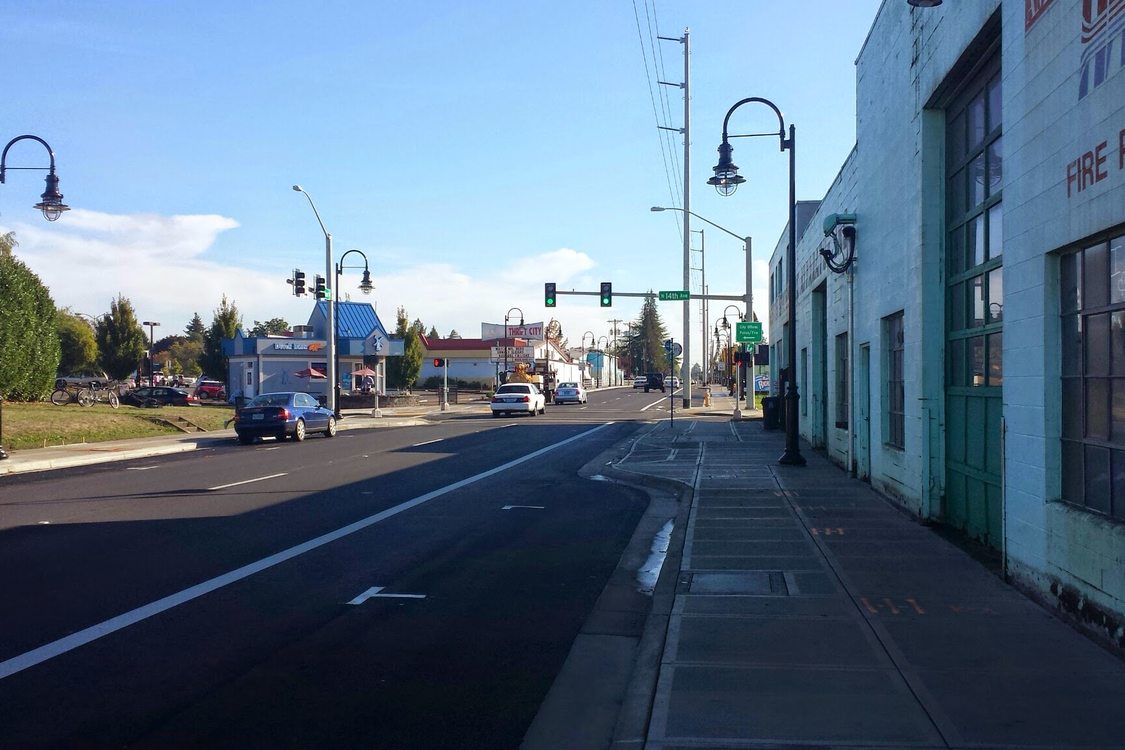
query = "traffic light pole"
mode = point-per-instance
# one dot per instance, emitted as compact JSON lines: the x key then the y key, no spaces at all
{"x":729,"y":297}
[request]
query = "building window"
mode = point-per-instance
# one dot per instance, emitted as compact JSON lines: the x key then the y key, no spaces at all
{"x":1092,"y":310}
{"x":804,"y":387}
{"x":842,"y":396}
{"x":894,"y":423}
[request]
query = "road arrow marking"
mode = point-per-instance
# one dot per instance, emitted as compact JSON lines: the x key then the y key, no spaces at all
{"x":375,"y":593}
{"x":532,"y":507}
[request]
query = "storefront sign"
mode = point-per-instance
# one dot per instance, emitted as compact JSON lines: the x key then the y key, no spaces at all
{"x":496,"y":331}
{"x":291,"y":346}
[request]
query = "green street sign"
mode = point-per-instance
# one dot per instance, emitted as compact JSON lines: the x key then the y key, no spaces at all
{"x":748,"y":332}
{"x":675,"y":295}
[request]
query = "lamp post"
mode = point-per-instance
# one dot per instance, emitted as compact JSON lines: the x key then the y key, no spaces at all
{"x":330,"y":391}
{"x":365,"y":286}
{"x":151,"y":340}
{"x":747,"y":244}
{"x":738,"y":368}
{"x":507,"y":317}
{"x":602,"y":359}
{"x":723,"y":327}
{"x":50,"y":203}
{"x":726,"y":180}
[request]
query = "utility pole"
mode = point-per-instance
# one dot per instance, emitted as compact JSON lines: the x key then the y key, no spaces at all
{"x":685,"y":367}
{"x":703,"y":300}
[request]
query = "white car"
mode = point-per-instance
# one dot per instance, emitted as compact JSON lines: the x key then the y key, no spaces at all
{"x":570,"y":392}
{"x":516,"y":398}
{"x":640,"y":381}
{"x":674,"y":382}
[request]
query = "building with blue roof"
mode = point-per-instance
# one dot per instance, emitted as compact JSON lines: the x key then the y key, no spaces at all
{"x":296,"y":361}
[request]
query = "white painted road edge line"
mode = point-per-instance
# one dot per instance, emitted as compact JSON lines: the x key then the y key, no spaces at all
{"x":428,"y":442}
{"x":82,"y":637}
{"x":247,"y":481}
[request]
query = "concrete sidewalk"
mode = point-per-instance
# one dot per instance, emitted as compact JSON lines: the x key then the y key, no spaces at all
{"x":805,"y":611}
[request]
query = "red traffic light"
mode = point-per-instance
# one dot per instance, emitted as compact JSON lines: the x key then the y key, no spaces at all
{"x":439,"y":362}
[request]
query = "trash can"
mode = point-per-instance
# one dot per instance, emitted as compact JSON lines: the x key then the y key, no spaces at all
{"x":771,"y":416}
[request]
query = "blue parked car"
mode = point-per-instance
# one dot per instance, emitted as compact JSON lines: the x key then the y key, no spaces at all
{"x":283,"y":415}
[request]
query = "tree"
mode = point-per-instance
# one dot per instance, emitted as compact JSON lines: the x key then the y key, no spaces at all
{"x":433,"y":334}
{"x":644,"y":345}
{"x":403,"y":371}
{"x":29,"y":342}
{"x":78,"y":349}
{"x":121,"y":339}
{"x":453,"y":334}
{"x":183,"y":356}
{"x":195,"y":329}
{"x":272,"y":327}
{"x":225,"y":323}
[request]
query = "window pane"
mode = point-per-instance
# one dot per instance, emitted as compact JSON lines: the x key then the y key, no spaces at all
{"x":996,"y":359}
{"x":957,"y":362}
{"x":1095,"y":273}
{"x":996,"y":296}
{"x":1069,"y":290}
{"x":1117,"y":413}
{"x":976,"y":181}
{"x":1097,"y":479}
{"x":976,"y":359}
{"x":975,"y":229}
{"x":1117,"y":269}
{"x":976,"y":121}
{"x":1097,"y":344}
{"x":976,"y":314}
{"x":957,"y":307}
{"x":1072,"y":408}
{"x":995,"y":114}
{"x":1072,"y":480}
{"x":1072,"y":344}
{"x":956,"y":137}
{"x":956,"y":251}
{"x":1097,"y":408}
{"x":996,"y":231}
{"x":995,"y":167}
{"x":1117,"y":341}
{"x":1119,"y":484}
{"x":956,"y":198}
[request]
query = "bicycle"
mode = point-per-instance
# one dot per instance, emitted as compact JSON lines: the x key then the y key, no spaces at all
{"x":63,"y":396}
{"x":95,"y":395}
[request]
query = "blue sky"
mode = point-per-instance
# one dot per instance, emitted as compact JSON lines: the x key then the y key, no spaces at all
{"x":472,"y":151}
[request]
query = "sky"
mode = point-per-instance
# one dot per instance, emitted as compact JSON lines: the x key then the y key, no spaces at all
{"x":470,"y":150}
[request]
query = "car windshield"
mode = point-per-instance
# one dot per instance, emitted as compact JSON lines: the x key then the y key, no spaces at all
{"x":271,"y":399}
{"x":568,"y":385}
{"x":522,"y":388}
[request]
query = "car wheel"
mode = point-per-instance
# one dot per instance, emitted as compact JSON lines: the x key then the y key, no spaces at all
{"x":299,"y":431}
{"x":202,"y":395}
{"x":331,"y":429}
{"x":246,"y":439}
{"x":495,"y":414}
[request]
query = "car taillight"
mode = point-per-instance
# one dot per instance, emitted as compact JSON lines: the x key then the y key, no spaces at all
{"x":283,"y":414}
{"x":525,"y":399}
{"x":495,"y":399}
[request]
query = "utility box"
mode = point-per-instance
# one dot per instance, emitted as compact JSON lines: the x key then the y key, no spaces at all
{"x":771,"y":414}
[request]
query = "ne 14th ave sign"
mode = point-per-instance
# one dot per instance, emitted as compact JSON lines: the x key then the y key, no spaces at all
{"x":674,"y":295}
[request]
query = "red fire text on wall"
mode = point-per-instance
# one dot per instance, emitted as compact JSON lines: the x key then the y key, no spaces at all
{"x":1093,"y":166}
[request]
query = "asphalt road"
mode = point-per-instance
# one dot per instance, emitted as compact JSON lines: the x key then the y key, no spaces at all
{"x":414,"y":587}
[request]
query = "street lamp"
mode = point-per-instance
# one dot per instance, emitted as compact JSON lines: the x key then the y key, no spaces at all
{"x":726,"y":180}
{"x":366,"y":287}
{"x":748,"y":297}
{"x":738,"y":369}
{"x":602,"y":359}
{"x":50,"y":202}
{"x":507,"y":317}
{"x":722,"y":326}
{"x":330,"y":392}
{"x":151,"y":324}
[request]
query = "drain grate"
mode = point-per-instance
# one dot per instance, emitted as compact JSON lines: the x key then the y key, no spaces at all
{"x":746,"y":582}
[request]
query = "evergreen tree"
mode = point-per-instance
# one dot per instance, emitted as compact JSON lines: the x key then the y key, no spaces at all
{"x":644,"y":345}
{"x":77,"y":346}
{"x":271,"y":327}
{"x":195,"y":329}
{"x":121,"y":339}
{"x":29,"y":342}
{"x":412,"y":354}
{"x":394,"y":364}
{"x":433,"y":334}
{"x":225,"y":323}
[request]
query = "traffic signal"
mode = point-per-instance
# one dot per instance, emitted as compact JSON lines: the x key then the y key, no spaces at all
{"x":549,"y":294}
{"x":439,"y":362}
{"x":320,"y":289}
{"x":298,"y":282}
{"x":607,"y":294}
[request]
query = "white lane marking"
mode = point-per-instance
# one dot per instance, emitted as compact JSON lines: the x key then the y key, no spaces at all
{"x":374,"y":593}
{"x":532,"y":507}
{"x":247,"y":481}
{"x":436,"y":440}
{"x":44,"y":523}
{"x":141,"y":468}
{"x":654,"y":403}
{"x":82,"y":637}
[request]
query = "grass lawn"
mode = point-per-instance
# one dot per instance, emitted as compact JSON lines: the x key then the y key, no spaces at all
{"x":38,"y":425}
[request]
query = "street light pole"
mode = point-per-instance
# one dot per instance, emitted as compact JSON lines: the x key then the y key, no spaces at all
{"x":726,"y":180}
{"x":505,"y":341}
{"x":330,"y":391}
{"x":151,"y":340}
{"x":365,"y":286}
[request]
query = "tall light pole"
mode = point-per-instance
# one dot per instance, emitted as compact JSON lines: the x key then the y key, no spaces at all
{"x":506,"y":319}
{"x":616,"y":351}
{"x":50,"y":204}
{"x":151,"y":340}
{"x":726,"y":180}
{"x":738,"y":369}
{"x":365,"y":286}
{"x":330,"y":391}
{"x":602,"y":359}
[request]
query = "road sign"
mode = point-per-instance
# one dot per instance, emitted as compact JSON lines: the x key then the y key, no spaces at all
{"x":747,"y":332}
{"x":674,"y":295}
{"x":676,"y":348}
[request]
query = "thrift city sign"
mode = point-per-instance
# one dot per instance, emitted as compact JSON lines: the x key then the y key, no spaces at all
{"x":748,"y":332}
